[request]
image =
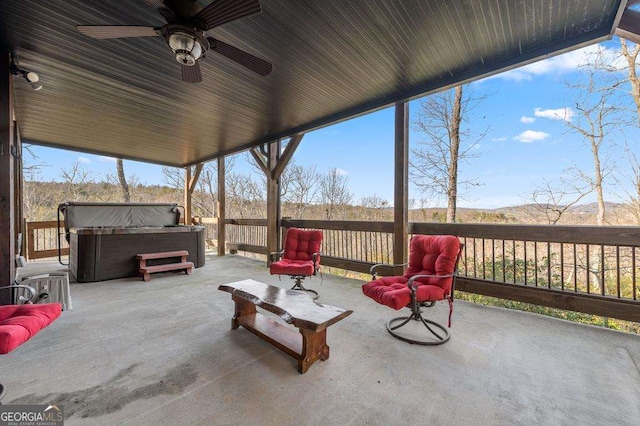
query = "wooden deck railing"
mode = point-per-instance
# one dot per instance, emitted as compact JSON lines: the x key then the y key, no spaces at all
{"x":42,"y":240}
{"x":594,"y":270}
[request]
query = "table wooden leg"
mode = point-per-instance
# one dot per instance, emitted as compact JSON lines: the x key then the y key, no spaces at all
{"x":243,"y":307}
{"x":314,"y":347}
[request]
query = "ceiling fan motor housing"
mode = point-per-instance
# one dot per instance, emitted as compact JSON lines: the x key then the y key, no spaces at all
{"x":188,"y":44}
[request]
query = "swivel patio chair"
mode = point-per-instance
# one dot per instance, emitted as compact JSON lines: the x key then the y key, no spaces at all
{"x":300,"y":258}
{"x":430,"y":277}
{"x":19,"y":323}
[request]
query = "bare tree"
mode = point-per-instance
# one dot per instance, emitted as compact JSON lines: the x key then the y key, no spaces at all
{"x":205,"y":198}
{"x":376,"y":208}
{"x":173,"y":177}
{"x":301,"y":186}
{"x":599,"y":115}
{"x":77,"y":181}
{"x":435,"y":163}
{"x":631,"y":57}
{"x":634,"y":193}
{"x":334,"y":192}
{"x":122,"y":181}
{"x":245,"y":196}
{"x":555,"y":200}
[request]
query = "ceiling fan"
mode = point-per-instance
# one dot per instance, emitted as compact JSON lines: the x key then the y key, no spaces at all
{"x":185,"y":35}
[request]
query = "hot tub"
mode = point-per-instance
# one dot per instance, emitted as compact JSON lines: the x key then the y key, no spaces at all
{"x":104,"y":238}
{"x":106,"y":253}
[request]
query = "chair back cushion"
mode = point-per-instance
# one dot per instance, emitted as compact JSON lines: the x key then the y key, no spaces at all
{"x":433,"y":255}
{"x":19,"y":323}
{"x":429,"y":255}
{"x":300,"y":244}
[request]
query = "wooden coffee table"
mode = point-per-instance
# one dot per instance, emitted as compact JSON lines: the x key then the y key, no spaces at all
{"x":293,"y":306}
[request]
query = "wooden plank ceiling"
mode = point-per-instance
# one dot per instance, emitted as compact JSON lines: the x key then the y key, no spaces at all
{"x":332,"y":59}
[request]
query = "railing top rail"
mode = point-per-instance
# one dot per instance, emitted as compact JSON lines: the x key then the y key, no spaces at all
{"x":341,"y":225}
{"x":573,"y":234}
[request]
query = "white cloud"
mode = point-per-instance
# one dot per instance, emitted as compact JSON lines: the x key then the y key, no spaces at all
{"x":530,"y":136}
{"x":565,"y":113}
{"x":565,"y":63}
{"x":107,"y":159}
{"x":341,"y":172}
{"x":500,"y":139}
{"x":525,"y":119}
{"x":83,"y":160}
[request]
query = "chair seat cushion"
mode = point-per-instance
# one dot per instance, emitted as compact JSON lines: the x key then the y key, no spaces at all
{"x":292,"y":267}
{"x":19,"y":323}
{"x":393,"y":292}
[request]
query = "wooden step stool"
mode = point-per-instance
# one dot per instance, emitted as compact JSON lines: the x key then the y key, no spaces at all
{"x":146,"y":271}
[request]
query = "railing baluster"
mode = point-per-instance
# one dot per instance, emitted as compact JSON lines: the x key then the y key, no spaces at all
{"x":514,"y":261}
{"x":465,"y":263}
{"x":493,"y":259}
{"x":526,"y":265}
{"x":602,"y":270}
{"x":484,"y":256}
{"x":618,"y":271}
{"x":475,"y":267}
{"x":535,"y":263}
{"x":588,"y":268}
{"x":504,"y":264}
{"x":633,"y":273}
{"x":549,"y":265}
{"x":562,"y":266}
{"x":575,"y":268}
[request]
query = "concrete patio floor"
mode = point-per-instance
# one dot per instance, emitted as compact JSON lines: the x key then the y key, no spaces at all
{"x":163,"y":353}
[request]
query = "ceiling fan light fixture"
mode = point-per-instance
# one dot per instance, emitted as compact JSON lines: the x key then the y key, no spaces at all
{"x":186,"y":47}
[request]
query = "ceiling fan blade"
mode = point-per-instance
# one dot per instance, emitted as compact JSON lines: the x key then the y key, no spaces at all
{"x":191,"y":74}
{"x":222,"y":11}
{"x":118,"y":31}
{"x":243,"y":58}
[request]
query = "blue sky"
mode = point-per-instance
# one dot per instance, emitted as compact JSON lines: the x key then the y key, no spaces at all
{"x":527,"y":141}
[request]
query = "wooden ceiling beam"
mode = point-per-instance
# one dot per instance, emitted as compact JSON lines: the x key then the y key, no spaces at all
{"x":284,"y":159}
{"x":260,"y":161}
{"x":629,"y":26}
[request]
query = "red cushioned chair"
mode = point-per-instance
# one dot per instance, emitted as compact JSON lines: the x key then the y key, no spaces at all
{"x":19,"y":323}
{"x":300,"y":257}
{"x":430,"y":277}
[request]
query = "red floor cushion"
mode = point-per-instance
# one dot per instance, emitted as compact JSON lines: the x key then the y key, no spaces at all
{"x":19,"y":323}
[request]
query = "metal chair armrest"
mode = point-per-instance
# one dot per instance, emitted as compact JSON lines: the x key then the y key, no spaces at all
{"x":26,"y":287}
{"x":275,"y":255}
{"x":413,"y":278}
{"x":374,"y":273}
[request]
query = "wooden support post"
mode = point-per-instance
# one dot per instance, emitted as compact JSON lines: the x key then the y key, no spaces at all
{"x":19,"y":220}
{"x":273,"y":166}
{"x":401,"y":185}
{"x":187,"y":195}
{"x":190,"y":182}
{"x":222,"y":199}
{"x":273,"y":198}
{"x":7,"y":184}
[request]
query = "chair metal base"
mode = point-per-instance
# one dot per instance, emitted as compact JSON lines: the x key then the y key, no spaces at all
{"x":2,"y":391}
{"x":298,"y":286}
{"x":417,"y":316}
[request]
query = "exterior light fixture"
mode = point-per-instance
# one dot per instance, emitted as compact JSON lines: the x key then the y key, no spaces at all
{"x":31,"y":77}
{"x":188,"y":48}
